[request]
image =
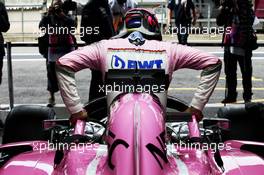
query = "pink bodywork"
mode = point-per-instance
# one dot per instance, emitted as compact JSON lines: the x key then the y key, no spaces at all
{"x":136,"y":140}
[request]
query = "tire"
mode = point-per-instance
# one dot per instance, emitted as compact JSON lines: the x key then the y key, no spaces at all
{"x":246,"y":121}
{"x":25,"y":123}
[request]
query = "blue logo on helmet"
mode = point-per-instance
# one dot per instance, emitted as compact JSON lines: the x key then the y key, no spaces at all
{"x":119,"y":63}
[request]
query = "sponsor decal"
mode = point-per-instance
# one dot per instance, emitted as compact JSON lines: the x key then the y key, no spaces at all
{"x":159,"y":152}
{"x":119,"y":63}
{"x":113,"y":146}
{"x":136,"y":59}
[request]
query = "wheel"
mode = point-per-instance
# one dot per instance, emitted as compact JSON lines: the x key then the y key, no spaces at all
{"x":246,"y":121}
{"x":25,"y":123}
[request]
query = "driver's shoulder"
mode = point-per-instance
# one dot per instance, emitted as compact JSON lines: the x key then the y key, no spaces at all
{"x":116,"y":43}
{"x":148,"y":45}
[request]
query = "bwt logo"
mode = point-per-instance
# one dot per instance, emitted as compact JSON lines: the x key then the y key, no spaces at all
{"x":119,"y":63}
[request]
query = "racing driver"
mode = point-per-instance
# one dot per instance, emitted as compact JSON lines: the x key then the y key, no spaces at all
{"x":139,"y":41}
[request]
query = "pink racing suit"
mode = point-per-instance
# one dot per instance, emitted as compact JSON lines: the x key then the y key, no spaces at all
{"x":118,"y":53}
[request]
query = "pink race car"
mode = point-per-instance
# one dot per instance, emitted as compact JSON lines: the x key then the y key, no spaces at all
{"x":139,"y":137}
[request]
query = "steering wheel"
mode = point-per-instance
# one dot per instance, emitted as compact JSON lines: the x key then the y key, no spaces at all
{"x":97,"y":108}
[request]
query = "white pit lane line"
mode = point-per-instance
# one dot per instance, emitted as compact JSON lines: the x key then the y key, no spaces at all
{"x":35,"y":56}
{"x":216,"y":89}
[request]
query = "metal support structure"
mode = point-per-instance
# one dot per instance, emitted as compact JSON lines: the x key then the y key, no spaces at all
{"x":45,"y":5}
{"x":209,"y":17}
{"x":200,"y":6}
{"x":10,"y":75}
{"x":162,"y":10}
{"x":22,"y":22}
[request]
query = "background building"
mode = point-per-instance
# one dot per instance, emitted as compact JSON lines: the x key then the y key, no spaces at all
{"x":25,"y":14}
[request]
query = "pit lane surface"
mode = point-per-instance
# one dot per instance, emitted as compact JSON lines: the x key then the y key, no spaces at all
{"x":30,"y":80}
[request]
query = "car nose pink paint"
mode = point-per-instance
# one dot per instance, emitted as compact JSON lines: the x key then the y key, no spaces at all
{"x":135,"y":135}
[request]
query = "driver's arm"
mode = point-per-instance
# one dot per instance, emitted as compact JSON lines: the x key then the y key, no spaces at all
{"x":188,"y":57}
{"x":67,"y":66}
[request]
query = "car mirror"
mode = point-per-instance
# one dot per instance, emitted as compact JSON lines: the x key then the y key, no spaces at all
{"x":49,"y":124}
{"x":216,"y":122}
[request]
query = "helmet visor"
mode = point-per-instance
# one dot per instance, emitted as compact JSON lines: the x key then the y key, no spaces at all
{"x":133,"y":21}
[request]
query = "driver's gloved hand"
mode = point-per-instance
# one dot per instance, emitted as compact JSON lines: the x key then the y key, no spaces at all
{"x":82,"y":115}
{"x":198,"y":114}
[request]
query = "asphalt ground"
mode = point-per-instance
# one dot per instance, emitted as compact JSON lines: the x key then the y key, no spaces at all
{"x":30,"y":81}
